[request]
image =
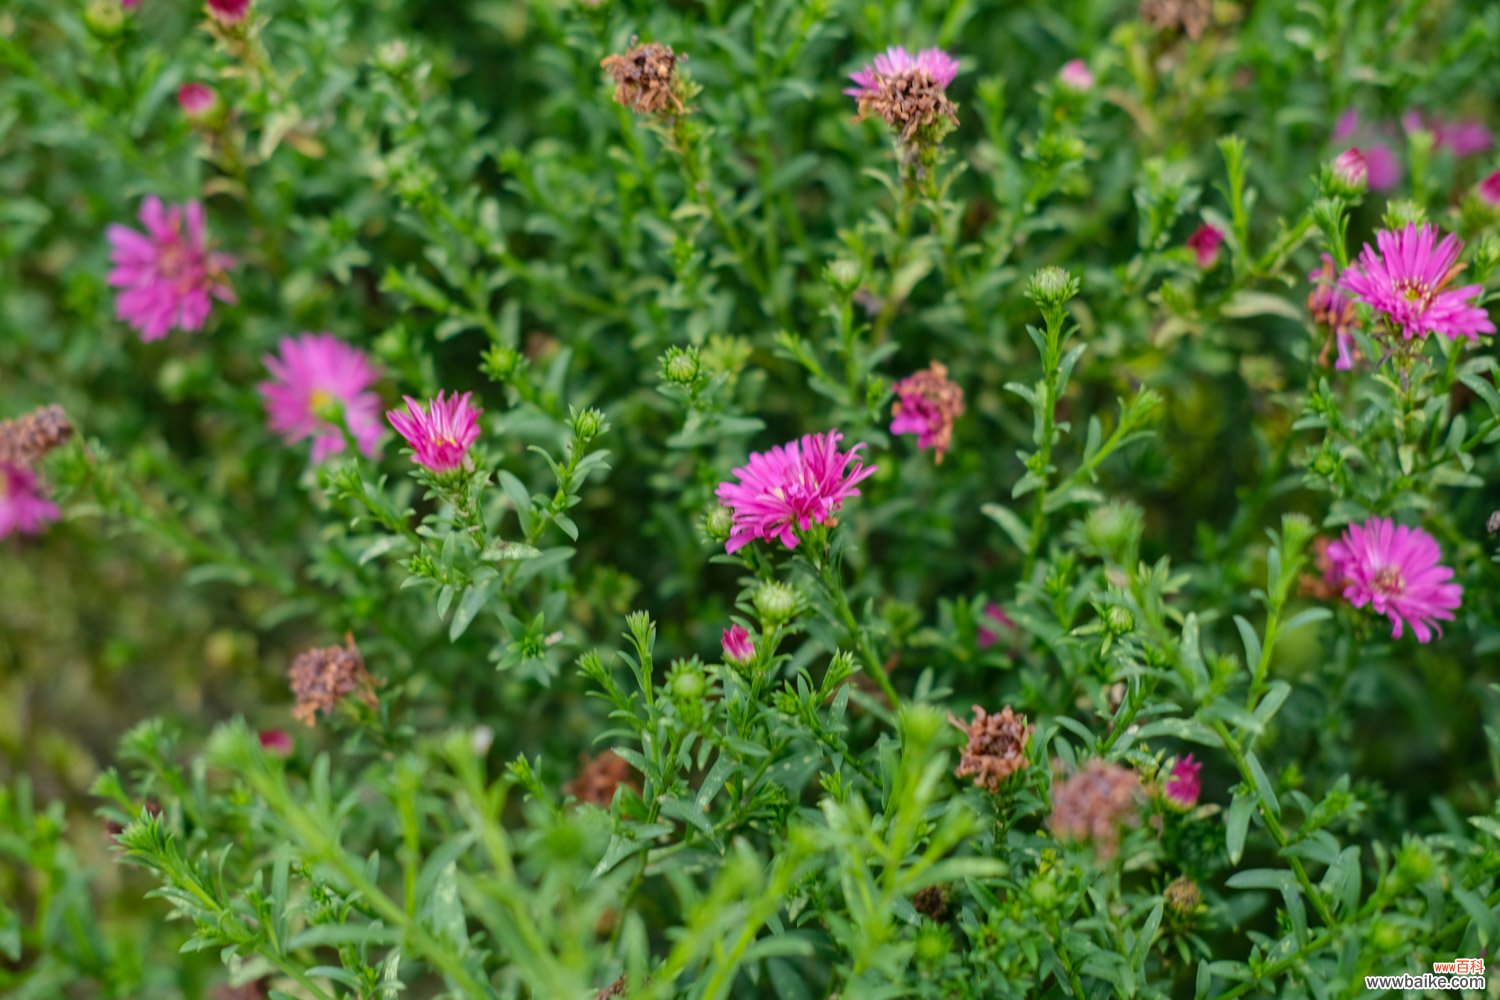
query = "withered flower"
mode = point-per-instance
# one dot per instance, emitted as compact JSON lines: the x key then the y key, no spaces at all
{"x":321,"y":678}
{"x":646,"y":79}
{"x":996,"y":747}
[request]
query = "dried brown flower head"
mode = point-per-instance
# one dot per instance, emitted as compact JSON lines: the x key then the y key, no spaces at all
{"x":1093,"y":804}
{"x":928,"y":403}
{"x":932,"y":902}
{"x":321,"y":678}
{"x":996,"y":747}
{"x":1182,"y":894}
{"x":614,"y":989}
{"x":646,"y":79}
{"x":28,"y":438}
{"x":1191,"y":17}
{"x":598,"y":778}
{"x":908,"y":102}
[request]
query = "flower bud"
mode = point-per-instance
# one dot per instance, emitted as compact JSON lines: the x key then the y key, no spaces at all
{"x":680,"y":366}
{"x":1119,"y":621}
{"x":1111,"y":529}
{"x":718,"y":522}
{"x":1350,"y":173}
{"x":776,"y":602}
{"x":1489,"y":190}
{"x":843,"y":275}
{"x":1075,"y":75}
{"x":1051,"y":286}
{"x":197,"y":101}
{"x":739,"y":648}
{"x":1400,"y":214}
{"x":105,"y":19}
{"x":587,"y":424}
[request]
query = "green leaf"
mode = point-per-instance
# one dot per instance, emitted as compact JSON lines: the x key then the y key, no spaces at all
{"x":1236,"y":825}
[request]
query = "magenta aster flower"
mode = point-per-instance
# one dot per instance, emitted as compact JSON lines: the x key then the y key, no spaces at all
{"x":896,"y":61}
{"x":1182,"y":787}
{"x":23,"y":508}
{"x":928,"y":404}
{"x":1205,"y":244}
{"x":1489,"y":190}
{"x":1075,"y":75}
{"x":168,"y":276}
{"x":1408,"y":282}
{"x":739,"y":648}
{"x":316,"y":381}
{"x":1395,"y":570}
{"x":441,"y":434}
{"x":791,"y":487}
{"x":196,"y":99}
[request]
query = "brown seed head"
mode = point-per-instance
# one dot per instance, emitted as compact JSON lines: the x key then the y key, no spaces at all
{"x":646,"y":79}
{"x":996,"y":747}
{"x":1191,"y":17}
{"x":1182,"y":894}
{"x":1093,"y":804}
{"x":932,"y":902}
{"x":28,"y":438}
{"x":598,"y":778}
{"x":321,"y":678}
{"x":907,"y":102}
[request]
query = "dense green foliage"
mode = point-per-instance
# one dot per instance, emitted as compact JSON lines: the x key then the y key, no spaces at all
{"x":1152,"y":452}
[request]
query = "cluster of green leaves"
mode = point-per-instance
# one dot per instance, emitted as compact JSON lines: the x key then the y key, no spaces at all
{"x":1149,"y":454}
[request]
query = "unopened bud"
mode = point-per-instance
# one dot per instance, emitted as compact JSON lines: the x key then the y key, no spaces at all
{"x":680,"y":366}
{"x":776,"y":602}
{"x":718,"y":522}
{"x":1350,"y":173}
{"x":105,"y":19}
{"x":1051,"y":286}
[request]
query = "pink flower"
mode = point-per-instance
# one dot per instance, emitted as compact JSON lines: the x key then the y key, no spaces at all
{"x":1382,"y":166}
{"x":1395,"y":570}
{"x":1351,"y":169}
{"x":897,"y":62}
{"x":168,"y":276}
{"x":791,"y":487}
{"x":1489,"y":190}
{"x":739,"y":649}
{"x":228,"y":12}
{"x":928,"y":404}
{"x":994,"y":613}
{"x":1408,"y":282}
{"x":196,"y":99}
{"x":440,"y":435}
{"x":316,"y":381}
{"x":130,"y":4}
{"x":1182,"y":784}
{"x":1461,"y":138}
{"x":23,"y":509}
{"x":276,"y":742}
{"x":1075,"y":75}
{"x":1205,"y":244}
{"x":1466,"y":138}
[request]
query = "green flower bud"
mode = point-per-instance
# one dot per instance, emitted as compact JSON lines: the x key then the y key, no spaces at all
{"x":1043,"y":892}
{"x":105,"y":19}
{"x":1400,"y":214}
{"x":1119,"y":621}
{"x":718,"y":522}
{"x":1051,"y":286}
{"x":776,"y":602}
{"x":587,"y":425}
{"x":680,"y":366}
{"x":843,"y":275}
